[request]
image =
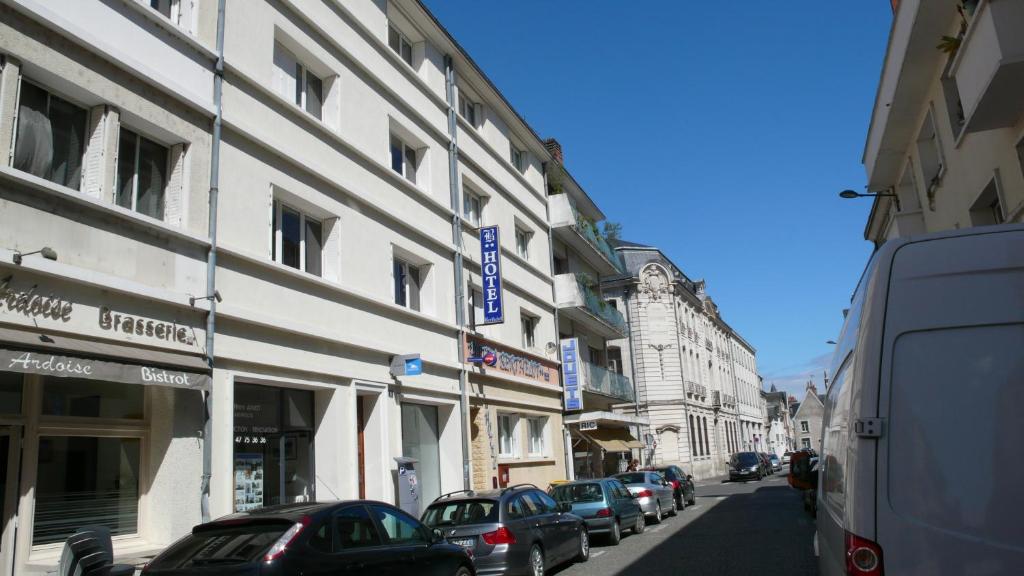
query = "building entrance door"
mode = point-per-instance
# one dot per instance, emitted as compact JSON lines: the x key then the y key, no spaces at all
{"x":10,"y":458}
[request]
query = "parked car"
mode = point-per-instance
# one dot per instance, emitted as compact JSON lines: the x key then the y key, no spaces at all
{"x":775,"y":462}
{"x":655,"y":495}
{"x":682,"y":484}
{"x":767,"y":461}
{"x":746,"y":466}
{"x":350,"y":537}
{"x":934,"y":331}
{"x":514,"y":530}
{"x":605,"y":504}
{"x":785,"y":458}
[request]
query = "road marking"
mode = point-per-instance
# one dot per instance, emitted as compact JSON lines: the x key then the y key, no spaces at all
{"x":597,"y":553}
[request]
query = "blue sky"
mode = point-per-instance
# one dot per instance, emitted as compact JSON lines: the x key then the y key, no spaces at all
{"x":720,"y":132}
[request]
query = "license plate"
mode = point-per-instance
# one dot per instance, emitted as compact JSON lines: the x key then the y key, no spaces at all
{"x":464,"y":542}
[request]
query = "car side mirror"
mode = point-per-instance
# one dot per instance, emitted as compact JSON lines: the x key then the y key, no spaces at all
{"x":436,"y":536}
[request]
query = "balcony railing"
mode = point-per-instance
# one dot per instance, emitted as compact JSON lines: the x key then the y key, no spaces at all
{"x":696,"y":389}
{"x":602,"y":309}
{"x":607,"y":383}
{"x":589,"y":231}
{"x":574,"y":291}
{"x":565,"y":213}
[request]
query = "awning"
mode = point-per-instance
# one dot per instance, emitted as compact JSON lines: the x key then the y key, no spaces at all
{"x":613,"y":439}
{"x":68,"y":357}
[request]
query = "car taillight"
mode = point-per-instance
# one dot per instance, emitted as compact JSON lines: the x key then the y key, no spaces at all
{"x":604,"y":513}
{"x":644,"y":494}
{"x":675,"y":484}
{"x":863,"y":557}
{"x":500,"y":536}
{"x":282,"y":543}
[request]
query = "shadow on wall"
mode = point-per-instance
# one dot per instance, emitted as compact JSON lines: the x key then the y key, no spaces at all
{"x":765,"y":532}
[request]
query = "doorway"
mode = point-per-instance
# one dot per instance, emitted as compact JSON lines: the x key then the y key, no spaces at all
{"x":420,"y":439}
{"x":10,"y":459}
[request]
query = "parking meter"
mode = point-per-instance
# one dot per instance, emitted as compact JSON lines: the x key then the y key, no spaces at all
{"x":408,"y":486}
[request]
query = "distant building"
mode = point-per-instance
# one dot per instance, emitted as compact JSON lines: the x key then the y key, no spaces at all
{"x":945,"y":142}
{"x":807,"y":419}
{"x":779,"y":437}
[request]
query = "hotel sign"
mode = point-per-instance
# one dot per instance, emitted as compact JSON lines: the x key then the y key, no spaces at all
{"x":572,"y":376}
{"x":490,"y":272}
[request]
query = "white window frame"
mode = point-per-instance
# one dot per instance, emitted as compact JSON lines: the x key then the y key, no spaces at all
{"x":406,"y":265}
{"x":135,"y":171}
{"x":468,"y":198}
{"x":403,"y":41}
{"x":476,"y":306}
{"x":410,"y":175}
{"x":538,"y":424}
{"x":173,"y":9}
{"x":468,"y":108}
{"x":805,"y":426}
{"x":528,"y":330}
{"x":279,"y":206}
{"x":805,"y":443}
{"x":517,"y":157}
{"x":301,"y":98}
{"x":513,"y":437}
{"x":523,"y":237}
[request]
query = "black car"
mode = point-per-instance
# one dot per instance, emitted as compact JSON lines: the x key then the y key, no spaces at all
{"x":314,"y":539}
{"x":746,"y":466}
{"x":682,"y":484}
{"x":514,"y":530}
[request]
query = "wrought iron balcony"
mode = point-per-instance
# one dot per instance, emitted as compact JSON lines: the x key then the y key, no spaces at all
{"x":602,"y":381}
{"x":696,"y":389}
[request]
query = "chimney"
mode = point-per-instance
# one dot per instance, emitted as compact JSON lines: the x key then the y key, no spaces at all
{"x":555,"y":149}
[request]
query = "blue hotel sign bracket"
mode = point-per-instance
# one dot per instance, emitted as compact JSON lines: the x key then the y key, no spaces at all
{"x":490,"y":275}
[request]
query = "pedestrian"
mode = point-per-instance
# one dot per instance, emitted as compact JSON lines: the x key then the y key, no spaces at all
{"x":634,"y":465}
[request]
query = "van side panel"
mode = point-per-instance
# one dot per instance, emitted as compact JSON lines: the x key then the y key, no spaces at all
{"x":949,"y":467}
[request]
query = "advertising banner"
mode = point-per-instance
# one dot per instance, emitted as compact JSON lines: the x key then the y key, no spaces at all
{"x":571,"y":375}
{"x":490,"y":272}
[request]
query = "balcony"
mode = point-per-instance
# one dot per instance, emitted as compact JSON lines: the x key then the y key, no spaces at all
{"x":696,"y":389}
{"x":582,"y":304}
{"x":606,"y":383}
{"x":582,"y":234}
{"x":989,"y":66}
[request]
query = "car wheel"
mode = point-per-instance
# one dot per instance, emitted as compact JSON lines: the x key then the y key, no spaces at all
{"x":536,"y":561}
{"x":463,"y":571}
{"x":584,"y":552}
{"x":693,"y":498}
{"x":673,"y":512}
{"x":679,"y":501}
{"x":640,"y":525}
{"x":616,"y":533}
{"x":657,"y":513}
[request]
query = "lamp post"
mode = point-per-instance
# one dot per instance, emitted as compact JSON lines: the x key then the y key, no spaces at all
{"x":851,"y":194}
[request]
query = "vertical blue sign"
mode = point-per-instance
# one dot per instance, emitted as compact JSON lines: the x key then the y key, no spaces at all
{"x":571,"y":374}
{"x":490,"y":272}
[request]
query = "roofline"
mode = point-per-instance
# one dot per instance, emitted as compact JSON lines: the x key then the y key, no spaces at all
{"x":881,"y":76}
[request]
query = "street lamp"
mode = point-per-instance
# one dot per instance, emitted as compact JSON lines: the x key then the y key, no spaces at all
{"x":850,"y":194}
{"x":832,"y":342}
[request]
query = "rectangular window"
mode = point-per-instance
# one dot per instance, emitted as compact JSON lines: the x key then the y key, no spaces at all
{"x":805,"y":443}
{"x":467,"y":109}
{"x":517,"y":157}
{"x":400,"y":44}
{"x":407,"y":284}
{"x":168,"y":8}
{"x":476,"y":307}
{"x":535,"y":432}
{"x":142,"y":167}
{"x":404,"y":159}
{"x":50,"y":140}
{"x":508,"y":442}
{"x":528,"y":324}
{"x":294,"y":81}
{"x":804,"y":427}
{"x":523,"y":243}
{"x":297,"y":239}
{"x":472,"y":207}
{"x":85,"y":480}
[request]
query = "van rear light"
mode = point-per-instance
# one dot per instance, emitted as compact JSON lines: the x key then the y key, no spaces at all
{"x":644,"y":494}
{"x":500,"y":536}
{"x":281,"y":545}
{"x":604,"y":513}
{"x":863,"y":557}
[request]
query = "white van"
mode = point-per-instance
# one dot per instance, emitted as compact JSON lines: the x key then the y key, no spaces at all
{"x":922,"y":464}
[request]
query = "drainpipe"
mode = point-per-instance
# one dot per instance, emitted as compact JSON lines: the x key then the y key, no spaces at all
{"x":460,"y":300}
{"x":570,"y":470}
{"x":211,"y":262}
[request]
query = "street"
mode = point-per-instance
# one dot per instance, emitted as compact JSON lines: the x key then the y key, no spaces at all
{"x":734,"y":529}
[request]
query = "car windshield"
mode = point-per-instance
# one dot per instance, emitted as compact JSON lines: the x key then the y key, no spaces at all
{"x":634,"y":478}
{"x":461,"y":513}
{"x":589,"y":492}
{"x":667,"y":473}
{"x":746,"y":458}
{"x":221,"y":546}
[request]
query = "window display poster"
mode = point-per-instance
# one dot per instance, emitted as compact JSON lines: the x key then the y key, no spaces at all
{"x":248,"y":481}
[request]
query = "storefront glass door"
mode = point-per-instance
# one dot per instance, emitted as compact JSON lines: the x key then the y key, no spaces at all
{"x":420,"y":439}
{"x":10,"y":439}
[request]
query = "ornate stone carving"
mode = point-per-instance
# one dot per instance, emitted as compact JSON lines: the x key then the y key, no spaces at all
{"x":654,"y":283}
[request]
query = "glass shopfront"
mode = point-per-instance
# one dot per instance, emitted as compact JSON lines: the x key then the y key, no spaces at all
{"x":273,"y":457}
{"x":420,"y":439}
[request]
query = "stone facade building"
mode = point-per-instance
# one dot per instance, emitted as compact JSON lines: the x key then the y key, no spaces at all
{"x":696,"y":377}
{"x":945,"y":145}
{"x":779,"y":437}
{"x":807,"y":420}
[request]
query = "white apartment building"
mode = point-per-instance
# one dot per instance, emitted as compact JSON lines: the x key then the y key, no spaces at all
{"x":695,"y":376}
{"x":355,"y":149}
{"x":945,"y":146}
{"x":591,"y":327}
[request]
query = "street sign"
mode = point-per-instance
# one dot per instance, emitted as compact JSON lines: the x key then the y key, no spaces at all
{"x":406,"y":365}
{"x":571,"y":374}
{"x":490,"y":275}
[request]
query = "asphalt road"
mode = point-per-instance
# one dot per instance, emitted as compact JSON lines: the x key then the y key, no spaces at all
{"x":734,"y":529}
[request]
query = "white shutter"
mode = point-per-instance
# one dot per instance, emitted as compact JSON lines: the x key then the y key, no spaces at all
{"x":284,"y":72}
{"x":111,"y":139}
{"x":174,"y":194}
{"x":332,"y":249}
{"x":95,"y":152}
{"x":9,"y":80}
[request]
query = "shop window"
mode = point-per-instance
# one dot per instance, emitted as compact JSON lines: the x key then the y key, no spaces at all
{"x":50,"y":140}
{"x":11,"y":384}
{"x":142,"y":168}
{"x":83,"y":481}
{"x":92,"y":398}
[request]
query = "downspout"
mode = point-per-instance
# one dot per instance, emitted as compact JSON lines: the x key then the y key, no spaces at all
{"x":211,"y":262}
{"x":682,"y":375}
{"x":460,"y":300}
{"x":570,"y":470}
